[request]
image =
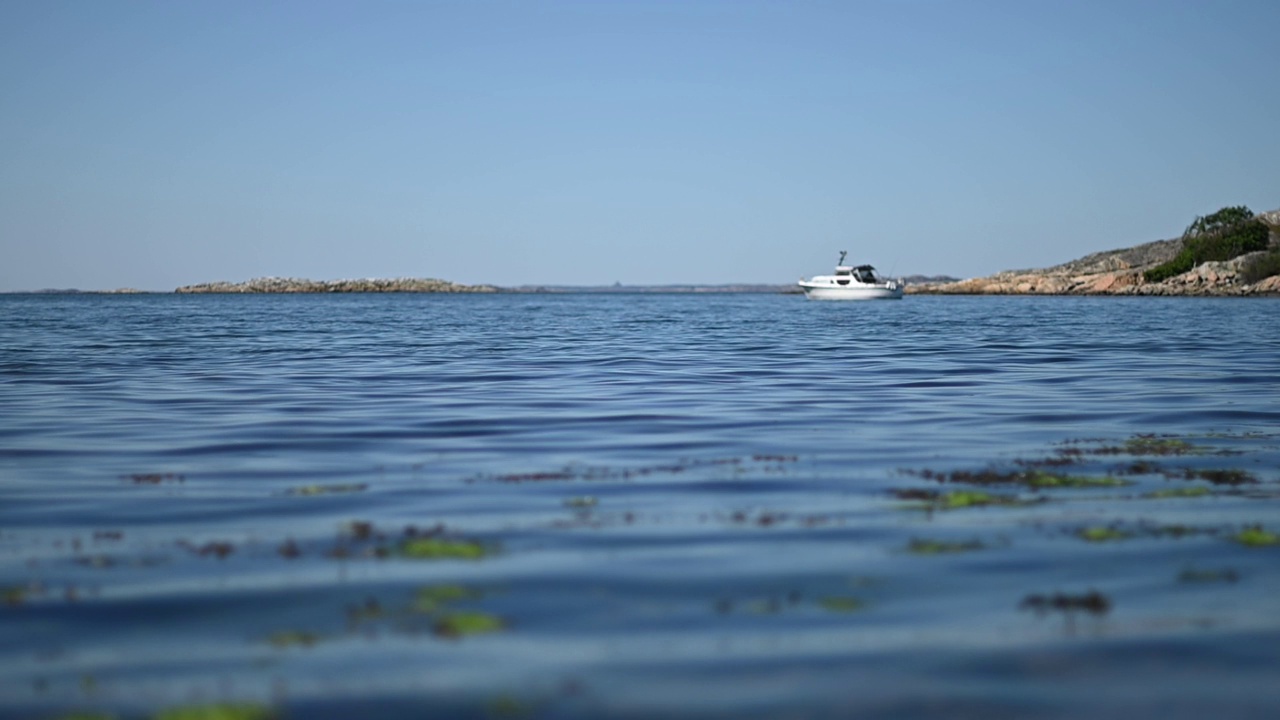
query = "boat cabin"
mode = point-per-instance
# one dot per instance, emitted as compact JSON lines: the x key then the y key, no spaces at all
{"x":861,"y":273}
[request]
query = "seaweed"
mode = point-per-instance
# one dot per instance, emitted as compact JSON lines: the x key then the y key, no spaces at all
{"x":1092,"y":602}
{"x":1178,"y":493}
{"x":433,"y":598}
{"x":441,"y":549}
{"x":314,"y":490}
{"x":1035,"y":478}
{"x":1232,"y":476}
{"x":463,"y":623}
{"x":919,"y":546}
{"x":1256,"y":536}
{"x":155,"y":478}
{"x":933,"y":500}
{"x":292,"y":638}
{"x":13,"y":594}
{"x":1100,"y":533}
{"x":217,"y":549}
{"x":841,"y":604}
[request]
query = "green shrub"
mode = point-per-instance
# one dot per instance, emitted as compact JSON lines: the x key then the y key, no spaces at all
{"x":1226,"y":234}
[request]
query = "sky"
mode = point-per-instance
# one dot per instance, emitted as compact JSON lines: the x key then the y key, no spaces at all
{"x":157,"y":144}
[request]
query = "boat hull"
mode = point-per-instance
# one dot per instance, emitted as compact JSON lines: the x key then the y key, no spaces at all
{"x":851,"y":292}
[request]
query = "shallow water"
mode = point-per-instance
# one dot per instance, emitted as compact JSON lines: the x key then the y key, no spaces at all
{"x":687,"y":505}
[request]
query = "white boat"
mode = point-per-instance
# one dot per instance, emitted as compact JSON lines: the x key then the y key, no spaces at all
{"x":851,"y":283}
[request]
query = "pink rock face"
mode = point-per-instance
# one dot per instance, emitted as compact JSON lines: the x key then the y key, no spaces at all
{"x":1104,"y":283}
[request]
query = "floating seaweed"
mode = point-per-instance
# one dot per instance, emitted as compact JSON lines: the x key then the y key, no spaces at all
{"x":367,"y":611}
{"x":155,"y":478}
{"x":430,"y":548}
{"x":292,"y":638}
{"x":1108,"y":533}
{"x":1092,"y":602}
{"x":1099,"y":533}
{"x":336,"y":489}
{"x":13,"y":594}
{"x":1256,"y":536}
{"x":1231,"y":476}
{"x":841,"y":604}
{"x":463,"y":623}
{"x":1034,"y":478}
{"x":919,"y":546}
{"x":934,"y":500}
{"x":1188,"y":492}
{"x":433,"y":598}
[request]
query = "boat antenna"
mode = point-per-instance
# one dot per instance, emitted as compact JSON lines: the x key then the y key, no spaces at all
{"x":842,"y":254}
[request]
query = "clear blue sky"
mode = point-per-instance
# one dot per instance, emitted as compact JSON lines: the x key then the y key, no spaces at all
{"x":156,"y":144}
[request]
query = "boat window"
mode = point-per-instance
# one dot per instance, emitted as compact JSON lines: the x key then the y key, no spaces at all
{"x":842,"y":272}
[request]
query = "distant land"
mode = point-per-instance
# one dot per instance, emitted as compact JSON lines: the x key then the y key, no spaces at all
{"x":1113,"y":272}
{"x":1123,"y":272}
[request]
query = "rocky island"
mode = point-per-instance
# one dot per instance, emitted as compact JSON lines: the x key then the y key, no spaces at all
{"x":293,"y":285}
{"x":1138,"y":270}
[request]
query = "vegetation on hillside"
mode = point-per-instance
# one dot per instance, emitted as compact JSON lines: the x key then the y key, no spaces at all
{"x":1226,"y":234}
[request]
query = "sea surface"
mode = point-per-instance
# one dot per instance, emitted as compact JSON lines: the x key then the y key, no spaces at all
{"x":634,"y":506}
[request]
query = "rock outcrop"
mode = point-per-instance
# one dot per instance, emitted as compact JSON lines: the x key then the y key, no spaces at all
{"x":1120,"y":272}
{"x":292,"y":285}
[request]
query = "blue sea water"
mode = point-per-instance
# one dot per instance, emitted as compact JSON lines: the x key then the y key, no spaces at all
{"x":715,"y":505}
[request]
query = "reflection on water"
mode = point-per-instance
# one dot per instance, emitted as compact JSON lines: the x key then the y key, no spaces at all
{"x":637,"y":506}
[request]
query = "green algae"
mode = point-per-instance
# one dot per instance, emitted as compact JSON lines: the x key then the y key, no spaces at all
{"x":433,"y":598}
{"x":465,"y":623}
{"x":1156,"y":445}
{"x":1178,"y":493}
{"x":1041,"y":479}
{"x":220,"y":711}
{"x":13,"y":594}
{"x":971,"y":498}
{"x":841,"y":604}
{"x":292,"y":638}
{"x":934,"y":500}
{"x":313,"y":490}
{"x":1035,"y":478}
{"x":941,"y":547}
{"x":1100,"y":533}
{"x":440,"y":549}
{"x":1255,"y":536}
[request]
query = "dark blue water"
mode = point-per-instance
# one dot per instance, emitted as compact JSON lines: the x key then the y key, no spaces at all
{"x":667,"y":505}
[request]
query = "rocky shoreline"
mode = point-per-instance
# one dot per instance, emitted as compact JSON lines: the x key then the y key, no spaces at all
{"x":1120,"y":272}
